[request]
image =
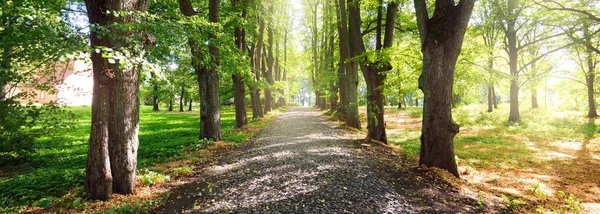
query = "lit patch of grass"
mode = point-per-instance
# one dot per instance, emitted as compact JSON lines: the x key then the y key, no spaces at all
{"x":57,"y":166}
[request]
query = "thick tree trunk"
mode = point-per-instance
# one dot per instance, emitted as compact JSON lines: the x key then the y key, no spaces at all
{"x":112,"y":152}
{"x":208,"y":81}
{"x":375,"y":107}
{"x":351,"y":77}
{"x":207,"y":74}
{"x":441,"y":38}
{"x":154,"y":93}
{"x":239,"y":89}
{"x":344,"y":49}
{"x":123,"y":130}
{"x":374,"y":76}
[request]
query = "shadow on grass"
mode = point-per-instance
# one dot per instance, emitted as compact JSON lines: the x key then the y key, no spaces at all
{"x":58,"y":165}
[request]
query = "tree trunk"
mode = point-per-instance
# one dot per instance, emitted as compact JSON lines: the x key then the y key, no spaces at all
{"x":270,"y":61}
{"x":112,"y":152}
{"x":208,"y":80}
{"x":375,"y":107}
{"x":181,"y":104}
{"x":344,"y":51}
{"x":257,"y":111}
{"x":170,"y":104}
{"x":351,"y":77}
{"x":154,"y":93}
{"x":495,"y":97}
{"x":441,"y":38}
{"x":591,"y":100}
{"x":4,"y":71}
{"x":490,"y":99}
{"x":239,"y":89}
{"x":534,"y":101}
{"x":374,"y":75}
{"x":190,"y":106}
{"x":123,"y":131}
{"x":590,"y":76}
{"x":513,"y":54}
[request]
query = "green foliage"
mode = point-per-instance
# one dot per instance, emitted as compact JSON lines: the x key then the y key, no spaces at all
{"x":512,"y":201}
{"x":151,"y":178}
{"x":21,"y":124}
{"x":571,"y":203}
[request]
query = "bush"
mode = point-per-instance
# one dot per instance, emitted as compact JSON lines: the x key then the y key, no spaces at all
{"x":21,"y":124}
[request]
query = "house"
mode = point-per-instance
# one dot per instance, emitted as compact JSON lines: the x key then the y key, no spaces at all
{"x":71,"y":85}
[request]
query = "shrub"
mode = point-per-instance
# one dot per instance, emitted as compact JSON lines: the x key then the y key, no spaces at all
{"x":21,"y":124}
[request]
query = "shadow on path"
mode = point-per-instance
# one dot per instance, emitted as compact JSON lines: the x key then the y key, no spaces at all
{"x":300,"y":164}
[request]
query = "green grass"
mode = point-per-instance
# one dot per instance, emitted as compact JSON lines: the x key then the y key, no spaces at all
{"x":499,"y":143}
{"x":57,"y":166}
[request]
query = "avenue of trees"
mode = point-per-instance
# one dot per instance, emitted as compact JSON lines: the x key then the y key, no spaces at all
{"x":434,"y":54}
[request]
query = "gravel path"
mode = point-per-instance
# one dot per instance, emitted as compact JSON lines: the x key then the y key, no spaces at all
{"x":301,"y":164}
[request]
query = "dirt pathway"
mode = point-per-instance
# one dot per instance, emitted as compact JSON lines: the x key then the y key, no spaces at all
{"x":301,"y":164}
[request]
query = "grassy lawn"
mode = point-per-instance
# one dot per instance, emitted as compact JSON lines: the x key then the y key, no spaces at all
{"x":547,"y":163}
{"x":55,"y":172}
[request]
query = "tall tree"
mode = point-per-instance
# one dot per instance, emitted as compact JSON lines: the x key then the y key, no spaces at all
{"x":257,"y":56}
{"x":207,"y":73}
{"x":517,"y":20}
{"x":239,"y":89}
{"x":270,"y":62}
{"x":441,"y":40}
{"x":350,"y":66}
{"x":112,"y":154}
{"x":373,"y":70}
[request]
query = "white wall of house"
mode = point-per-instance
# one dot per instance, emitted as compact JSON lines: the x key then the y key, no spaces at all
{"x":76,"y":89}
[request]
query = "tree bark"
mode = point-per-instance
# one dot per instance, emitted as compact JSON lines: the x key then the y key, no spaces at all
{"x":257,"y":111}
{"x":351,"y":77}
{"x":343,"y":46}
{"x":190,"y":106}
{"x":441,"y":38}
{"x":590,"y":76}
{"x":591,"y":100}
{"x":239,"y":89}
{"x":155,"y":106}
{"x":170,"y":104}
{"x":270,"y":66}
{"x":534,"y":101}
{"x":495,"y":97}
{"x":181,"y":96}
{"x":4,"y":71}
{"x":513,"y":54}
{"x":208,"y":77}
{"x":112,"y":152}
{"x":374,"y":72}
{"x":490,"y":99}
{"x":314,"y":41}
